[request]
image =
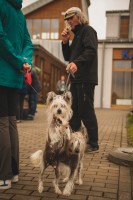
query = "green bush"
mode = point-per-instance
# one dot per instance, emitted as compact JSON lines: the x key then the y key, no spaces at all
{"x":130,"y":128}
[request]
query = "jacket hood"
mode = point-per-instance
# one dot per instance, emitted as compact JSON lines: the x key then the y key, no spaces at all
{"x":17,"y":4}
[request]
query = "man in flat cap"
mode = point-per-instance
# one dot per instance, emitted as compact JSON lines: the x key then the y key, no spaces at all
{"x":82,"y":57}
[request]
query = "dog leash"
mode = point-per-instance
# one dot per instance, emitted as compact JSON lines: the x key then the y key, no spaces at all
{"x":44,"y":100}
{"x":28,"y":81}
{"x":68,"y":79}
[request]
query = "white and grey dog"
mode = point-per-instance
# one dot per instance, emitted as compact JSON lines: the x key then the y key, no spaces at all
{"x":73,"y":158}
{"x":61,"y":146}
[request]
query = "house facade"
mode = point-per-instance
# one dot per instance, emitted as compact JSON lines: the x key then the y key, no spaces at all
{"x":115,"y":53}
{"x":45,"y":17}
{"x":45,"y":23}
{"x":115,"y":89}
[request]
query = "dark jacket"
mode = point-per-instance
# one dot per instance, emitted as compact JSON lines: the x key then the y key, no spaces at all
{"x":15,"y":43}
{"x":83,"y":52}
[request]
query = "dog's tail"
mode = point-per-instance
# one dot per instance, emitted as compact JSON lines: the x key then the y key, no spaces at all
{"x":36,"y":158}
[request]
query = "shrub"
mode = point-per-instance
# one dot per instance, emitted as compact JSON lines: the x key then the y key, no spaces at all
{"x":130,"y":128}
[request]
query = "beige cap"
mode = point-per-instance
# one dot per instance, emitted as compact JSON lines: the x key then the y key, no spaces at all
{"x":71,"y":12}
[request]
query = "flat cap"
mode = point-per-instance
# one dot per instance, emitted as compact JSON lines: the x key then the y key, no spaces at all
{"x":71,"y":12}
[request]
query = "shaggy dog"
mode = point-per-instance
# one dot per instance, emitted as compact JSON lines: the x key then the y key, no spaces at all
{"x":72,"y":157}
{"x":61,"y":146}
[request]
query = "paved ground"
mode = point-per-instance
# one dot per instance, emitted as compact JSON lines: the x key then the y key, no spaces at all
{"x":102,"y":180}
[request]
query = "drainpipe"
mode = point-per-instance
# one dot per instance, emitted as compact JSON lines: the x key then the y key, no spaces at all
{"x":102,"y":75}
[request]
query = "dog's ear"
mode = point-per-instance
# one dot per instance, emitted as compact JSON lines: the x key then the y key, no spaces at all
{"x":68,"y":97}
{"x":50,"y":97}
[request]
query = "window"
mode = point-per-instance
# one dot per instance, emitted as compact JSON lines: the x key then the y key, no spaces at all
{"x":122,"y":85}
{"x":122,"y":64}
{"x":124,"y":27}
{"x":54,"y":29}
{"x":122,"y":82}
{"x":43,"y":28}
{"x":36,"y":33}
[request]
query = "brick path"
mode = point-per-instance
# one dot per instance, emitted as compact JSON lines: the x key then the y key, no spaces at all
{"x":102,"y":180}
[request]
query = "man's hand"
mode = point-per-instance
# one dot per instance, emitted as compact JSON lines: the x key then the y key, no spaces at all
{"x":71,"y":66}
{"x":65,"y":35}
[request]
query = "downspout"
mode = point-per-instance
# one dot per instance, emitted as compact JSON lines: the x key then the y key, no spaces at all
{"x":102,"y":75}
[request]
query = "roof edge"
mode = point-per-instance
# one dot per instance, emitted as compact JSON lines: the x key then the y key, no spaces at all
{"x":117,"y":11}
{"x":38,"y":4}
{"x":34,"y":6}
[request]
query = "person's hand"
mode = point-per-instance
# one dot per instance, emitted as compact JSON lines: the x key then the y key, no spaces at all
{"x":25,"y":67}
{"x":65,"y":35}
{"x":71,"y":66}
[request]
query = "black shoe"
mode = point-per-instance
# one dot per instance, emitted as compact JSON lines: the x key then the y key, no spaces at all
{"x":30,"y":117}
{"x":91,"y":149}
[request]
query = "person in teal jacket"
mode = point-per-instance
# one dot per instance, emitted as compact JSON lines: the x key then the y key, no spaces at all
{"x":16,"y":50}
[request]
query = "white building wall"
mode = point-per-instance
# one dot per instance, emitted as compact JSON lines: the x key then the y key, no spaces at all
{"x":107,"y":78}
{"x":105,"y":63}
{"x":103,"y":90}
{"x":98,"y":88}
{"x":112,"y":27}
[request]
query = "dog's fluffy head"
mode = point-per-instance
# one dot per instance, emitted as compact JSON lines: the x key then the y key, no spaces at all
{"x":77,"y":143}
{"x":60,"y":105}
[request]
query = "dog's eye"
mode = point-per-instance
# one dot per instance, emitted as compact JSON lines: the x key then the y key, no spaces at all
{"x":63,"y":106}
{"x":71,"y":144}
{"x":55,"y":106}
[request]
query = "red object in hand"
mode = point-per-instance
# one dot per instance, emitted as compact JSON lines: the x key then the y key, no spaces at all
{"x":27,"y":77}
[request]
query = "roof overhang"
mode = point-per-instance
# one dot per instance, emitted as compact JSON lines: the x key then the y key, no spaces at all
{"x":38,"y":4}
{"x":34,"y":6}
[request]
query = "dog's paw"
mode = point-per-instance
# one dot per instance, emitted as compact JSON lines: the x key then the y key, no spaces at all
{"x":79,"y":182}
{"x":66,"y":192}
{"x":56,"y":188}
{"x":68,"y":188}
{"x":58,"y":191}
{"x":65,"y":180}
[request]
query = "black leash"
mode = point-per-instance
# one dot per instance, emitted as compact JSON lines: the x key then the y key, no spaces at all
{"x":68,"y":78}
{"x":44,"y":99}
{"x":67,"y":83}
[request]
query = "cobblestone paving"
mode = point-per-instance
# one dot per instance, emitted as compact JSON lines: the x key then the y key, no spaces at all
{"x":102,"y":180}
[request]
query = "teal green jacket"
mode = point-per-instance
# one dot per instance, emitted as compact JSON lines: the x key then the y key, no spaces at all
{"x":16,"y":47}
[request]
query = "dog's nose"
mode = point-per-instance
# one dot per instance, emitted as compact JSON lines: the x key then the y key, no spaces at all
{"x":76,"y":150}
{"x":59,"y":111}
